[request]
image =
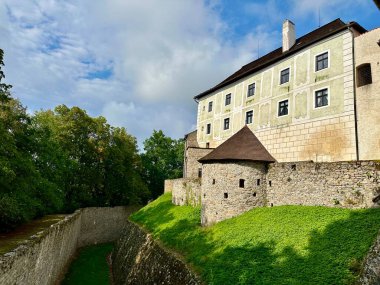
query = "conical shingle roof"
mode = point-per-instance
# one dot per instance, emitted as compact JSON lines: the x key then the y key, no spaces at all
{"x":243,"y":145}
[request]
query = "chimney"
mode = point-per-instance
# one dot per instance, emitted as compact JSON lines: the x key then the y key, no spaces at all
{"x":288,"y":35}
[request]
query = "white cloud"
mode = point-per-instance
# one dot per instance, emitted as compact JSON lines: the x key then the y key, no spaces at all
{"x":161,"y":54}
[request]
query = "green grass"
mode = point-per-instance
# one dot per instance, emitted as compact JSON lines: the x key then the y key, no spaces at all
{"x":90,"y":266}
{"x":279,"y":245}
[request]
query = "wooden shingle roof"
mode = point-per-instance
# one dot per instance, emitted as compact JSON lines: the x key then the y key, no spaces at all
{"x":243,"y":145}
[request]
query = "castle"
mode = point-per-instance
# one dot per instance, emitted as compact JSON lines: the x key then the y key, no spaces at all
{"x":299,"y":125}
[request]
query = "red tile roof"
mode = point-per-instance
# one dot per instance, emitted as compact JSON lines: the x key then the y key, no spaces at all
{"x":243,"y":145}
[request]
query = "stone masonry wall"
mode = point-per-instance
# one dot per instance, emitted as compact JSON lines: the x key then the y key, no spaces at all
{"x":191,"y":159}
{"x":346,"y":184}
{"x":368,"y":96}
{"x":44,"y":257}
{"x":138,"y":259}
{"x":223,"y":198}
{"x":186,"y":191}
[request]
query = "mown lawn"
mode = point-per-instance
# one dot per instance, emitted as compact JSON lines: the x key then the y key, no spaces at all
{"x":90,"y":266}
{"x":279,"y":245}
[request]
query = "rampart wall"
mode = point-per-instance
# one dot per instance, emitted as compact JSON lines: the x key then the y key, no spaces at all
{"x":339,"y":184}
{"x":43,"y":258}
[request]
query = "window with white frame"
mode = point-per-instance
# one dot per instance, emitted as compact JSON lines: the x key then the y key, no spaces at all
{"x":226,"y":124}
{"x":322,"y":61}
{"x":249,"y":117}
{"x":321,"y":98}
{"x":228,"y":99}
{"x":283,"y":108}
{"x":284,"y":76}
{"x":251,"y":90}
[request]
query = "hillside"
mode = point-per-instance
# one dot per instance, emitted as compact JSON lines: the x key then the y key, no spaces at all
{"x":279,"y":245}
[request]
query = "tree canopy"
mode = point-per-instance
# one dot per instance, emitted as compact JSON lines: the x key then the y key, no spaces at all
{"x":63,"y":159}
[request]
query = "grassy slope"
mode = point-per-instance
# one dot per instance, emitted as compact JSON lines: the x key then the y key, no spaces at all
{"x":90,"y":267}
{"x":280,"y":245}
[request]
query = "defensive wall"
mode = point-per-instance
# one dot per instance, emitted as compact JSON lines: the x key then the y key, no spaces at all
{"x":229,"y":189}
{"x":44,"y":257}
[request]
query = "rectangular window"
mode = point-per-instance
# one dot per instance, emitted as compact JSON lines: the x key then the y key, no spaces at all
{"x":321,"y":98}
{"x":208,"y":129}
{"x":248,"y":117}
{"x":228,"y":99}
{"x":283,"y":108}
{"x":199,"y":172}
{"x":241,"y":183}
{"x":322,"y":61}
{"x":210,"y":106}
{"x":364,"y":74}
{"x":284,"y":76}
{"x":226,"y":123}
{"x":251,"y":89}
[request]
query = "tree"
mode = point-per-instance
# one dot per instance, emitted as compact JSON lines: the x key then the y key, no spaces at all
{"x":377,"y":3}
{"x":163,"y":159}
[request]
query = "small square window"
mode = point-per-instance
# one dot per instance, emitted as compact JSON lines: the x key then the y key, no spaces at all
{"x":208,"y":129}
{"x":284,"y":76}
{"x":321,"y":98}
{"x":251,"y":90}
{"x":228,"y":99}
{"x":254,"y":194}
{"x":225,"y":195}
{"x":249,"y":117}
{"x":283,"y":108}
{"x":210,"y":106}
{"x":207,"y":145}
{"x":322,"y":61}
{"x":241,"y":183}
{"x":226,"y":123}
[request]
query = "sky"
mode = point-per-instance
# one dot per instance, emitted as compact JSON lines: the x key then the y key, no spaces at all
{"x":139,"y":63}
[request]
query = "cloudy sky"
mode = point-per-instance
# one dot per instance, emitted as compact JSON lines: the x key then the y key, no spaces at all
{"x":139,"y":63}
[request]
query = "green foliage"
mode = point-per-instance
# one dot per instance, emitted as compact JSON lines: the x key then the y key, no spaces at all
{"x":90,"y":267}
{"x":280,"y":245}
{"x":163,"y":159}
{"x":58,"y":161}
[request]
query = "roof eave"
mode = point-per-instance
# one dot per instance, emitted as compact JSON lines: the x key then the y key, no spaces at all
{"x":355,"y":25}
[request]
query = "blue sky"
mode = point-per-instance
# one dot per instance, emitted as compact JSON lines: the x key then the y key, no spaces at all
{"x":140,"y":63}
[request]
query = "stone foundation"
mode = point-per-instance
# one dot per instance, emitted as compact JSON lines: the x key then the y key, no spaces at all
{"x":44,"y":257}
{"x":138,"y":259}
{"x":371,"y":265}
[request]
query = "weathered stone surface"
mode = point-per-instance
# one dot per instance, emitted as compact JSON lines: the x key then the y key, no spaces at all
{"x":371,"y":268}
{"x":44,"y":257}
{"x":223,"y":198}
{"x":340,"y":184}
{"x":138,"y":259}
{"x":191,"y":161}
{"x":186,"y":191}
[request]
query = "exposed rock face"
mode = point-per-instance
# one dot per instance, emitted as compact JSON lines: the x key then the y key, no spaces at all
{"x":371,"y":270}
{"x":138,"y":259}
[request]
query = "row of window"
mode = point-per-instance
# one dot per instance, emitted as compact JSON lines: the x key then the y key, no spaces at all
{"x":226,"y":124}
{"x":321,"y":62}
{"x":321,"y":100}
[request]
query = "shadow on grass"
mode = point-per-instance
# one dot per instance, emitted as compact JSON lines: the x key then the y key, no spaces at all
{"x":333,"y":256}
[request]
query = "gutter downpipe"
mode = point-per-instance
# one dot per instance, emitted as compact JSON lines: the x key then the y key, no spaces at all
{"x":354,"y":81}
